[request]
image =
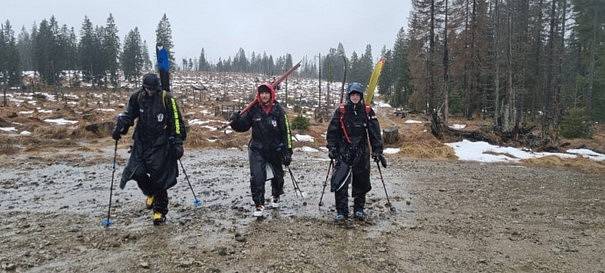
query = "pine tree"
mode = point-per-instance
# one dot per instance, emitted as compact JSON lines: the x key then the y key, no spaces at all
{"x":24,"y":46}
{"x":164,"y":38}
{"x":10,"y":71}
{"x":147,"y":65}
{"x":132,"y":58}
{"x":111,"y":49}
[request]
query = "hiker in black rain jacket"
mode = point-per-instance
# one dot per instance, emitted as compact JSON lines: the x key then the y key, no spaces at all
{"x":351,"y":126}
{"x":158,"y":143}
{"x":269,"y":147}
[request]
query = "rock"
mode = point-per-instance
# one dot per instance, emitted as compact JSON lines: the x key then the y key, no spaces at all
{"x":221,"y":251}
{"x":240,"y":238}
{"x":9,"y":267}
{"x":144,"y":265}
{"x":382,"y":249}
{"x":186,"y":263}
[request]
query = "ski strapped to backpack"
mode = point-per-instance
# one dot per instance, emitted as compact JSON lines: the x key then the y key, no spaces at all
{"x":343,"y":110}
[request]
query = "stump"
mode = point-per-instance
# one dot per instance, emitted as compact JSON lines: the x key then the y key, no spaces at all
{"x":390,"y":135}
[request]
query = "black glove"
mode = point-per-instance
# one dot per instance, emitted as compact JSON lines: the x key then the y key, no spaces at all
{"x":177,"y":145}
{"x":287,"y":158}
{"x":121,"y":127}
{"x":116,"y":134}
{"x":378,"y":157}
{"x":234,"y":116}
{"x":332,"y":153}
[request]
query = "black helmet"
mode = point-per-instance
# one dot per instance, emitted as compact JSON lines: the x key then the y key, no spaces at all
{"x":151,"y":82}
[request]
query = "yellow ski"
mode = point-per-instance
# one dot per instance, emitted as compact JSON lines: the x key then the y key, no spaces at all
{"x":369,"y":94}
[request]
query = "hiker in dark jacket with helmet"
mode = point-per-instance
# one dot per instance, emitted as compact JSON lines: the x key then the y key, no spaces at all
{"x":269,"y":147}
{"x":352,"y":126}
{"x":158,"y":143}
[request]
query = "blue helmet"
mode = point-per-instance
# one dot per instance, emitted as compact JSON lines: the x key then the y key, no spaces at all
{"x":355,"y":87}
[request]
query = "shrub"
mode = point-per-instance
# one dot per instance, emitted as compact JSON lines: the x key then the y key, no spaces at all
{"x":576,"y":124}
{"x":300,"y":123}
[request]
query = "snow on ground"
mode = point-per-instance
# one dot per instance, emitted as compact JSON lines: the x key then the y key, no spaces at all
{"x":382,"y":104}
{"x":105,"y":110}
{"x":413,"y":121}
{"x":211,"y":128}
{"x":44,"y":111}
{"x":588,"y":153}
{"x":8,"y":129}
{"x":484,"y":152}
{"x":61,"y":121}
{"x":457,"y":126}
{"x":25,"y":133}
{"x":306,"y":149}
{"x":304,"y":138}
{"x":26,"y":112}
{"x":198,"y":122}
{"x":389,"y":151}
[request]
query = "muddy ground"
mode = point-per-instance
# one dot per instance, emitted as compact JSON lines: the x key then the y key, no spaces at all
{"x":451,"y":217}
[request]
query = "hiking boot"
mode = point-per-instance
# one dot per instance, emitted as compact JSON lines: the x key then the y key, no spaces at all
{"x":158,"y":218}
{"x":149,"y":201}
{"x":359,"y":215}
{"x":275,"y":203}
{"x":258,"y":211}
{"x":340,"y":217}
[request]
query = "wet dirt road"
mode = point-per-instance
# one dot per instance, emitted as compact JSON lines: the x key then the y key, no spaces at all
{"x":451,"y":217}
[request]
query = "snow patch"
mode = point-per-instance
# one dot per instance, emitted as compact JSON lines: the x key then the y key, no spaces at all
{"x":587,"y":153}
{"x":484,"y":152}
{"x":304,"y":138}
{"x":8,"y":129}
{"x":26,"y":112}
{"x":382,"y":104}
{"x":306,"y":149}
{"x":411,"y":121}
{"x":61,"y":121}
{"x":457,"y":126}
{"x":198,"y":122}
{"x":26,"y":133}
{"x":106,"y":110}
{"x":389,"y":151}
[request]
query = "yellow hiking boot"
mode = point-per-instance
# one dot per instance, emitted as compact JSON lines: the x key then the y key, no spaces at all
{"x":149,"y":201}
{"x":158,"y":218}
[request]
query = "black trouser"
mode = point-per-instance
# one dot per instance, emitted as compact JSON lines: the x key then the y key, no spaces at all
{"x":258,"y":176}
{"x":160,"y":202}
{"x":361,"y":185}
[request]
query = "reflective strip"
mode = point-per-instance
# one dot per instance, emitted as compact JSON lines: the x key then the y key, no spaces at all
{"x":288,"y":132}
{"x":175,"y":113}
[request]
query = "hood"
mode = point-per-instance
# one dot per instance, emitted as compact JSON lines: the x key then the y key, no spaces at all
{"x":266,"y":86}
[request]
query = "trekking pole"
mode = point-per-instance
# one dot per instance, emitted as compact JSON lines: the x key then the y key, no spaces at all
{"x":325,"y":183}
{"x":196,"y":202}
{"x":107,"y":222}
{"x":297,"y":190}
{"x":385,"y":189}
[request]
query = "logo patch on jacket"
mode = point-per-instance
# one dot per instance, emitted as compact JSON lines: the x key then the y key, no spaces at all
{"x":274,"y":123}
{"x":160,"y":117}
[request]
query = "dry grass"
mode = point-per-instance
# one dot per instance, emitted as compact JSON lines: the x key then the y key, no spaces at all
{"x":580,"y":163}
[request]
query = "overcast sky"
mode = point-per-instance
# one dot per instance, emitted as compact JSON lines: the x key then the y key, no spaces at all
{"x":304,"y":27}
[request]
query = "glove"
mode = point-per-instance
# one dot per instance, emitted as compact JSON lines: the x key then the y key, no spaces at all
{"x":116,"y":134}
{"x":332,"y":153}
{"x":287,"y":159}
{"x":234,"y":116}
{"x":177,"y":145}
{"x":121,"y":127}
{"x":379,"y":157}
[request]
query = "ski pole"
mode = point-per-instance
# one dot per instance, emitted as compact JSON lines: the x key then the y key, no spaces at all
{"x":107,"y":222}
{"x":196,"y":202}
{"x":385,"y":188}
{"x":325,"y":183}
